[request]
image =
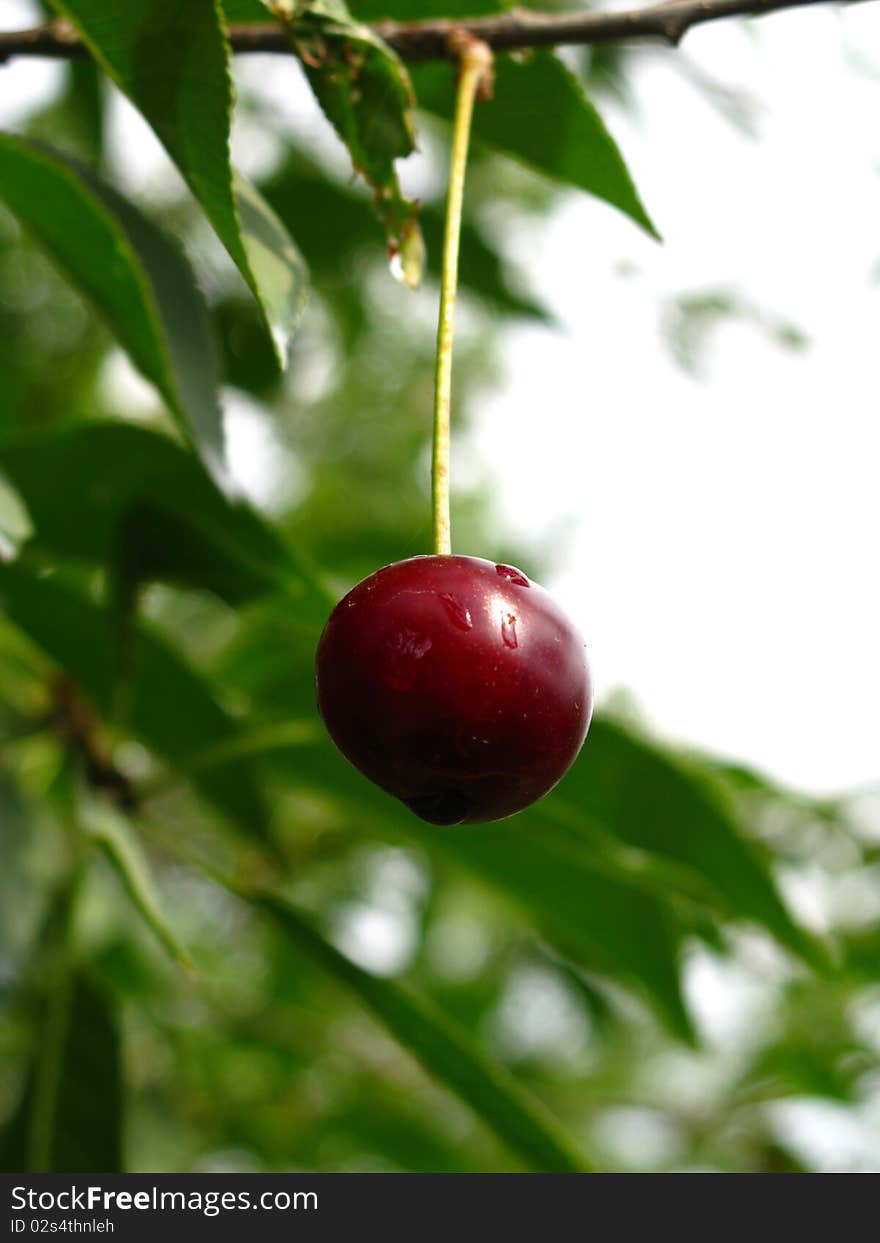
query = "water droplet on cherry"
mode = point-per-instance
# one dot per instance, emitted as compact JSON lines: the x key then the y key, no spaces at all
{"x":459,"y":614}
{"x":512,"y":575}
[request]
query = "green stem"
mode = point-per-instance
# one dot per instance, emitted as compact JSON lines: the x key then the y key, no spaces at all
{"x":53,"y":1038}
{"x":475,"y":60}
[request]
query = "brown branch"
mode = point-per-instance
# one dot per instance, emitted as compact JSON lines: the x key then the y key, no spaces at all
{"x":77,"y":725}
{"x":429,"y":40}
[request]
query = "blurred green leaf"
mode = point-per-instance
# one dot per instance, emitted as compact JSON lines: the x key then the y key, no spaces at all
{"x":327,"y":211}
{"x":691,"y":319}
{"x":52,"y":347}
{"x":422,"y":10}
{"x":15,"y":523}
{"x":594,"y":917}
{"x":246,"y":11}
{"x":816,"y":1051}
{"x":861,"y":951}
{"x":19,"y":897}
{"x":663,"y":805}
{"x":172,"y":60}
{"x":365,"y":93}
{"x":75,"y":120}
{"x":575,"y":148}
{"x":112,"y":835}
{"x":144,"y":504}
{"x":70,"y":1116}
{"x":171,"y":708}
{"x":138,"y":280}
{"x":442,"y":1048}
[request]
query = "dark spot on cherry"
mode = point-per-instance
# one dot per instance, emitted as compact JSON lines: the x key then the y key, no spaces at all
{"x":444,"y":807}
{"x":450,"y":687}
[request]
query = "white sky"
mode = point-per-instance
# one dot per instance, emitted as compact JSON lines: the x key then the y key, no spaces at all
{"x":719,"y":536}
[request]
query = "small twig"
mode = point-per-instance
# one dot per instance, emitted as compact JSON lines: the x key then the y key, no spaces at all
{"x":429,"y":40}
{"x":78,"y":726}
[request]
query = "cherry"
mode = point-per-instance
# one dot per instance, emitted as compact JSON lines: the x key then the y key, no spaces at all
{"x":455,"y":684}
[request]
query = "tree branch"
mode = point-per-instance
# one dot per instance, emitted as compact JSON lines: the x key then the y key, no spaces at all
{"x":77,"y":725}
{"x":429,"y":40}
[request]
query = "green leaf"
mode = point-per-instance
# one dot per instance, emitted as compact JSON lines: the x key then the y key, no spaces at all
{"x":594,"y":914}
{"x":138,"y":280}
{"x":365,"y":93}
{"x":171,"y":708}
{"x":112,"y":835}
{"x":74,"y":120}
{"x":421,"y":10}
{"x":443,"y":1048}
{"x":540,"y":115}
{"x":70,"y":1116}
{"x":663,"y":805}
{"x":172,"y":61}
{"x":815,"y":1051}
{"x":250,"y":11}
{"x":327,"y":211}
{"x":144,"y":503}
{"x":15,"y":524}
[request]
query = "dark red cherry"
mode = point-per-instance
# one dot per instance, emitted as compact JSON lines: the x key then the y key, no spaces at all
{"x":455,"y":684}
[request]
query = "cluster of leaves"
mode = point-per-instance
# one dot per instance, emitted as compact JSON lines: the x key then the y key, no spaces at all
{"x":218,"y":945}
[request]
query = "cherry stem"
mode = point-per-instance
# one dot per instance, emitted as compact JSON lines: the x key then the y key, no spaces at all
{"x":475,"y":59}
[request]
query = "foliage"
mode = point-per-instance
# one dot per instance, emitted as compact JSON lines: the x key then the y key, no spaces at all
{"x":220,"y":947}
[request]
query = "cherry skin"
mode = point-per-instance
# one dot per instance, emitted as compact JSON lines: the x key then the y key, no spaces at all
{"x":455,"y":684}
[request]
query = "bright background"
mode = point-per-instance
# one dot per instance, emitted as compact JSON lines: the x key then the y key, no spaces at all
{"x":719,"y":534}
